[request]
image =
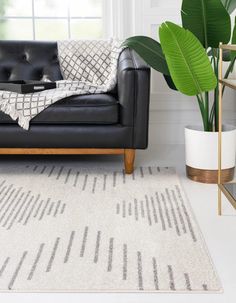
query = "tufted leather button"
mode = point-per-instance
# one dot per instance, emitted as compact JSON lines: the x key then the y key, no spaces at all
{"x":40,"y":74}
{"x":28,"y":60}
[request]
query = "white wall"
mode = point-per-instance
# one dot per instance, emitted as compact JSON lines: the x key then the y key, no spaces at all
{"x":170,"y":111}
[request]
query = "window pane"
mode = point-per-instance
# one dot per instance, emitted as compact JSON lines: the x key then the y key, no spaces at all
{"x":86,"y":19}
{"x":86,"y":8}
{"x":51,"y":29}
{"x":51,"y":8}
{"x":16,"y":29}
{"x":16,"y":8}
{"x":86,"y":29}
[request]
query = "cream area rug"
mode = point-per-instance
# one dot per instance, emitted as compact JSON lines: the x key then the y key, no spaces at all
{"x":78,"y":230}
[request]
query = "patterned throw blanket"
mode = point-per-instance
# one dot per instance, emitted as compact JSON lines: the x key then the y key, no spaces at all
{"x":87,"y":67}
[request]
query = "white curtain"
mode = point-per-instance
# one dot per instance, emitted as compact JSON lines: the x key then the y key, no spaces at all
{"x":119,"y":18}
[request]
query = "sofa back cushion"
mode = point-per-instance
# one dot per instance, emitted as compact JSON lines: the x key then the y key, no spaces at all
{"x":29,"y":60}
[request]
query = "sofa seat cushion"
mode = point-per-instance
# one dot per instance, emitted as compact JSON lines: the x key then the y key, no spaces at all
{"x":86,"y":109}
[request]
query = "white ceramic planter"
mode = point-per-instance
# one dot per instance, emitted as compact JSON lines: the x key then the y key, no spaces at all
{"x":201,"y":152}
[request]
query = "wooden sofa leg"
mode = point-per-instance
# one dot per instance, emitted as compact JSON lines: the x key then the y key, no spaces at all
{"x":129,"y":156}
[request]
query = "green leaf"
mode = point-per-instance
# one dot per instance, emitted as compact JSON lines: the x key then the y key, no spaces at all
{"x":230,"y":5}
{"x":187,"y":60}
{"x":208,"y":20}
{"x":233,"y":41}
{"x":170,"y":82}
{"x":226,"y":55}
{"x":150,"y":50}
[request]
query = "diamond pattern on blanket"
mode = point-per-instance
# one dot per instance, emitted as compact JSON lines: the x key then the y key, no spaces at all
{"x":87,"y":66}
{"x":87,"y":60}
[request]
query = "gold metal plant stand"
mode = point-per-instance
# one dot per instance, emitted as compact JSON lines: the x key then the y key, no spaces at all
{"x":228,"y":189}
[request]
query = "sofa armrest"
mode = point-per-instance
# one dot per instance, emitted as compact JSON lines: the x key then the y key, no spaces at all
{"x":134,"y":95}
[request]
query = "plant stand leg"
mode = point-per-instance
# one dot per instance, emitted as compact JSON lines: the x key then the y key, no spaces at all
{"x":129,"y":156}
{"x":219,"y":201}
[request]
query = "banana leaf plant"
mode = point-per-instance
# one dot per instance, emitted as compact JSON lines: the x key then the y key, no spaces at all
{"x":188,"y":56}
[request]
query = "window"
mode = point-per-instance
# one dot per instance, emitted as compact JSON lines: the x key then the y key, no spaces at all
{"x":51,"y":19}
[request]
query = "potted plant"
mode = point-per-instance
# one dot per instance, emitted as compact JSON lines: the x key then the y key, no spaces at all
{"x":188,"y":58}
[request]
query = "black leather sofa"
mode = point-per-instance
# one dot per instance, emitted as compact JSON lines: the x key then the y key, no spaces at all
{"x":114,"y":123}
